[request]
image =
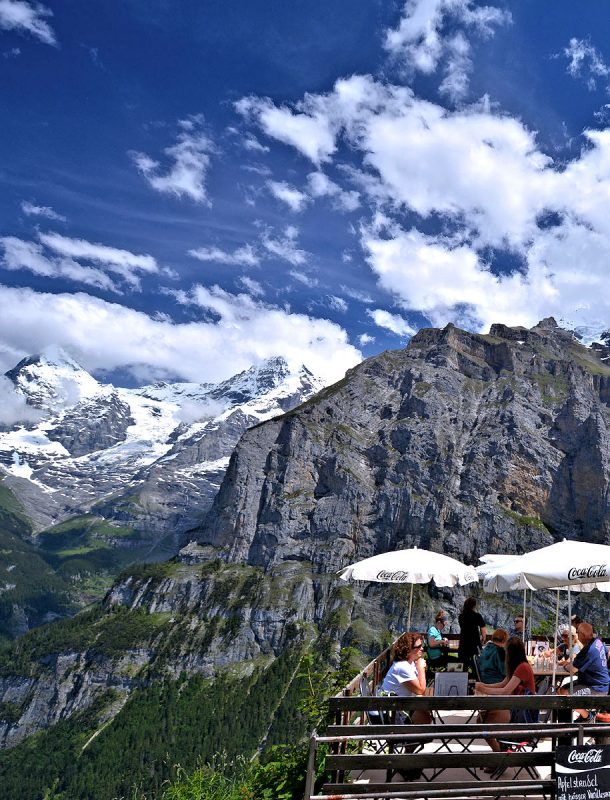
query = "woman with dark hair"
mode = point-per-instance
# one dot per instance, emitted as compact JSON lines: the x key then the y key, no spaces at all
{"x":472,"y":632}
{"x":519,"y":680}
{"x":407,"y":675}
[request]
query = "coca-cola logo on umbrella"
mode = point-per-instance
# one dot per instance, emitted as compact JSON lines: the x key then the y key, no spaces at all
{"x":593,"y":572}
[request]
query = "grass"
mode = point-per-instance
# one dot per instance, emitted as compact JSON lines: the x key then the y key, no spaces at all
{"x":525,"y":521}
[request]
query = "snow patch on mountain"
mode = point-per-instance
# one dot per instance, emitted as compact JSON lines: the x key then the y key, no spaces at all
{"x":164,"y":446}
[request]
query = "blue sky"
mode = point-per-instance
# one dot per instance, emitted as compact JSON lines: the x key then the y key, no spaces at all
{"x":189,"y":187}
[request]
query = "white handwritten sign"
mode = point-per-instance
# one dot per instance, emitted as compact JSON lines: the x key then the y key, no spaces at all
{"x":583,"y":773}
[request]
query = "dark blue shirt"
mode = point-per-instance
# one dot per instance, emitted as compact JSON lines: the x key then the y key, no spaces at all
{"x":592,"y":666}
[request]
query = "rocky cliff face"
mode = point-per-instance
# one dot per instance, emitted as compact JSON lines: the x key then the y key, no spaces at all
{"x":462,"y":442}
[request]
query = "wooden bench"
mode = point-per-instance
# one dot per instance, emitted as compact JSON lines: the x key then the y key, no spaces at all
{"x":346,"y":754}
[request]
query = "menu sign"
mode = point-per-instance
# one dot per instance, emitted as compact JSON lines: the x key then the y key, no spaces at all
{"x":583,"y":773}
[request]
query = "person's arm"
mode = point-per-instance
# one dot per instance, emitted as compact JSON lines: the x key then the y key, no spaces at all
{"x":417,"y":685}
{"x":483,"y":634}
{"x":504,"y":687}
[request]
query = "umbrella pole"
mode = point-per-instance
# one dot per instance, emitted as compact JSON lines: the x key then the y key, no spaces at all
{"x":531,"y":615}
{"x":556,"y":626}
{"x":570,"y":639}
{"x":410,"y":607}
{"x":524,"y":617}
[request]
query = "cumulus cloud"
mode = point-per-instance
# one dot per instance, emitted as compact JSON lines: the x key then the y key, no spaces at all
{"x":391,"y":322}
{"x":244,"y":256}
{"x":320,"y":185}
{"x":285,"y":246}
{"x":94,"y":331}
{"x":32,"y":210}
{"x":188,"y":162}
{"x":586,"y":62}
{"x":308,"y":129}
{"x":365,"y":339}
{"x":25,"y":17}
{"x":13,"y":407}
{"x":60,"y":257}
{"x":431,"y":33}
{"x":292,"y":197}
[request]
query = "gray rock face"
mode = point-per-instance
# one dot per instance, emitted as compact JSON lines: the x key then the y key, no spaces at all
{"x":463,"y":443}
{"x":92,"y":425}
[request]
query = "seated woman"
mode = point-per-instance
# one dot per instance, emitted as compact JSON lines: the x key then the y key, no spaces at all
{"x":562,"y":652}
{"x":437,"y":645}
{"x":519,"y":680}
{"x":407,"y":675}
{"x":492,"y":661}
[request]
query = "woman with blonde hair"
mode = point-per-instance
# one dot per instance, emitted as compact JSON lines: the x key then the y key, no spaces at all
{"x":562,"y":652}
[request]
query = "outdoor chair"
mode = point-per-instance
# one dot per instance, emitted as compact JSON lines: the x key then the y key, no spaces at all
{"x":526,"y":745}
{"x":378,"y":717}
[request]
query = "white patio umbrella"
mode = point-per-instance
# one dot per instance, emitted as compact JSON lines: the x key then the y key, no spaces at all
{"x":490,"y":562}
{"x":571,"y":565}
{"x":411,"y":566}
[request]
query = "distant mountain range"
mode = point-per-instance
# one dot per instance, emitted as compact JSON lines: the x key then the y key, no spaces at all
{"x":103,"y":476}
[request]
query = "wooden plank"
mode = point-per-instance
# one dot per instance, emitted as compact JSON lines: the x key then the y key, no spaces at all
{"x":420,"y":788}
{"x":469,"y":703}
{"x":439,"y":760}
{"x":468,"y":730}
{"x":405,"y":791}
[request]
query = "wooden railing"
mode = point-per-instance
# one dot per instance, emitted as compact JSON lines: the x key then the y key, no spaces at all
{"x":400,"y":747}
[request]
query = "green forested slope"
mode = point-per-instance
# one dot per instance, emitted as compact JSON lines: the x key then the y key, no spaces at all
{"x":173,"y":722}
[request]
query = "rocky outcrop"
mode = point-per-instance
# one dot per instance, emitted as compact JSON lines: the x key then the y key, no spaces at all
{"x":462,"y":442}
{"x":93,"y":425}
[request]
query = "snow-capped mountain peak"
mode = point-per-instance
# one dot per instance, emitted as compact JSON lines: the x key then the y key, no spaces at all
{"x":152,"y":456}
{"x":53,"y":380}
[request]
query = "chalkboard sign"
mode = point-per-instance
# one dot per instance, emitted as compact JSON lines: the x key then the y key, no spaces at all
{"x":583,"y":773}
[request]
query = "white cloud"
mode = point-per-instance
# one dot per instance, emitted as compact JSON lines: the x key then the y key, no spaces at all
{"x":430,"y":33}
{"x":242,"y":256}
{"x":95,"y":332}
{"x":308,"y":130}
{"x":189,"y":161}
{"x":391,"y":322}
{"x":19,"y":15}
{"x":365,"y":339}
{"x":252,"y":144}
{"x":285,"y":247}
{"x":13,"y":407}
{"x":32,"y":210}
{"x":294,"y":199}
{"x":251,"y":286}
{"x":60,"y":257}
{"x":121,"y":262}
{"x":337,"y":303}
{"x":304,"y":278}
{"x":30,"y":256}
{"x":320,"y":185}
{"x":585,"y":62}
